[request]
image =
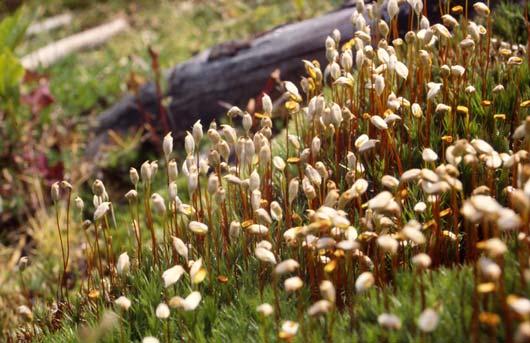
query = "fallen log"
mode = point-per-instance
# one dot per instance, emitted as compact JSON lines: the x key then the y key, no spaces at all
{"x":49,"y":24}
{"x":234,"y":72}
{"x":228,"y":73}
{"x":55,"y":51}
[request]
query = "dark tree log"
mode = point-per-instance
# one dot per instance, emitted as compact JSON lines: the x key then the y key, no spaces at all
{"x":198,"y":85}
{"x":232,"y":73}
{"x":236,"y":71}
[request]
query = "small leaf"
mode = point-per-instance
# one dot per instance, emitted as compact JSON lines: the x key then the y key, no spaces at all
{"x":12,"y":29}
{"x":11,"y":73}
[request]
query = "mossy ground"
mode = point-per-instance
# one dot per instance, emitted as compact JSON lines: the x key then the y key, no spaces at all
{"x":88,"y":82}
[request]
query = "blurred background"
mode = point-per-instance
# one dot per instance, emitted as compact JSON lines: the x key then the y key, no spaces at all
{"x":46,"y":114}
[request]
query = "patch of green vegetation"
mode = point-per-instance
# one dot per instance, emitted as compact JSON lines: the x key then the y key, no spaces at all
{"x":229,"y":311}
{"x":509,"y":22}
